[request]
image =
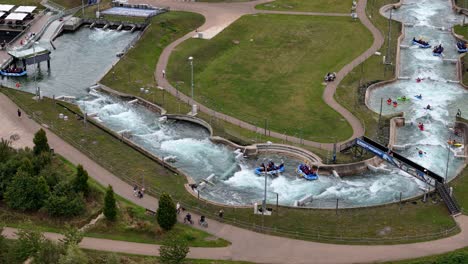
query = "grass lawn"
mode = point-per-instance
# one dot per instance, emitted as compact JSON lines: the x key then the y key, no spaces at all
{"x":270,"y":68}
{"x":349,"y":94}
{"x":325,"y":6}
{"x":459,"y":256}
{"x":460,"y":186}
{"x":134,"y":225}
{"x":128,"y":164}
{"x":100,"y":257}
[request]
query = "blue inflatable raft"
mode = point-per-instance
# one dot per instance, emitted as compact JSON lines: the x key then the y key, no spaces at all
{"x":275,"y":171}
{"x":309,"y":177}
{"x":13,"y":74}
{"x":423,"y":46}
{"x":462,"y":47}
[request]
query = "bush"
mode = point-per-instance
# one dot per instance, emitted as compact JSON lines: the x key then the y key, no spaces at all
{"x":173,"y":251}
{"x":41,"y":161}
{"x":49,"y":252}
{"x":110,"y":209}
{"x":80,"y":182}
{"x":64,"y":205}
{"x":73,"y":255}
{"x":166,"y":213}
{"x":40,"y":142}
{"x":26,"y":192}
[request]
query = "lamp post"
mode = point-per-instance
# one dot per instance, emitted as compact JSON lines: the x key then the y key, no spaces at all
{"x":265,"y":193}
{"x":448,"y":159}
{"x":191,"y":66}
{"x":35,"y":74}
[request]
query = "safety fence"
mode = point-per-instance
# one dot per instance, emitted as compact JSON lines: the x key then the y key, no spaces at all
{"x":257,"y":224}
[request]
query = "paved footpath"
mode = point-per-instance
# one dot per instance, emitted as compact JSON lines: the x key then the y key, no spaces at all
{"x":220,"y":15}
{"x":246,"y":245}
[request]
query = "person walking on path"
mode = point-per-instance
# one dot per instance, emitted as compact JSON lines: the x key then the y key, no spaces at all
{"x":19,"y":113}
{"x":178,"y":207}
{"x":164,"y":73}
{"x":221,"y":213}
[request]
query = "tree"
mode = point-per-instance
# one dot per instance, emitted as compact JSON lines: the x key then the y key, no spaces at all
{"x":40,"y":142}
{"x":64,"y":205}
{"x":110,"y":208}
{"x":73,"y":255}
{"x":166,"y":213}
{"x":48,"y":252}
{"x":73,"y":236}
{"x":26,"y":192}
{"x":5,"y":150}
{"x":80,"y":182}
{"x":27,"y":245}
{"x":173,"y":251}
{"x":40,"y":161}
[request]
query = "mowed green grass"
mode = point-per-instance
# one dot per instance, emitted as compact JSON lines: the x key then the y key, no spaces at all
{"x":272,"y":67}
{"x":326,"y":6}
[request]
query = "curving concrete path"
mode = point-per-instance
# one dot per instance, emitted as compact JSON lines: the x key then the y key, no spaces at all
{"x":220,"y":15}
{"x":246,"y":245}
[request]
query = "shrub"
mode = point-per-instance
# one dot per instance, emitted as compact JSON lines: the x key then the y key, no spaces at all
{"x":110,"y":208}
{"x":173,"y":251}
{"x":166,"y":213}
{"x":40,"y":142}
{"x":26,"y":192}
{"x":80,"y":182}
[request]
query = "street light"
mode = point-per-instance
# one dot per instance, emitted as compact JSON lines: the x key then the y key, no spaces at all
{"x":265,"y":194}
{"x":448,"y":159}
{"x":35,"y":74}
{"x":191,"y":66}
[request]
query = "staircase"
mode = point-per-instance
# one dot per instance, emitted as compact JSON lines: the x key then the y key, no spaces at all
{"x":450,"y":201}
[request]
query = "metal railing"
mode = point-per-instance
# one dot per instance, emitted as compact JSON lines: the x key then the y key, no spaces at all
{"x":190,"y":203}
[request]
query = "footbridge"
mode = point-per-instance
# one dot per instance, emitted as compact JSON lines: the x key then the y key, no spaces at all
{"x":429,"y":177}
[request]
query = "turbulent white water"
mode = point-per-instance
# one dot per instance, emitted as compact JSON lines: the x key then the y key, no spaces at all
{"x":235,"y":182}
{"x":431,"y":20}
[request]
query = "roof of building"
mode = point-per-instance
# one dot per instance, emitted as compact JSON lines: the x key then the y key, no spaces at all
{"x":25,"y":9}
{"x":6,"y":8}
{"x":16,"y":16}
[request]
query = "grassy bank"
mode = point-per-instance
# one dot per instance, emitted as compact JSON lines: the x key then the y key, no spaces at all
{"x":411,"y":222}
{"x":260,"y":71}
{"x":351,"y":91}
{"x":325,"y":6}
{"x":100,"y":257}
{"x":459,"y":256}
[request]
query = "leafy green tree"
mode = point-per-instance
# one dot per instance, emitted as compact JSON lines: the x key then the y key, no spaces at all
{"x":166,"y":213}
{"x":40,"y":142}
{"x":40,"y":161}
{"x":6,"y":150}
{"x":173,"y":251}
{"x":48,"y":252}
{"x":80,"y":182}
{"x":73,"y":255}
{"x":27,"y":245}
{"x":110,"y":208}
{"x":26,"y":192}
{"x":7,"y":172}
{"x":26,"y":166}
{"x":73,"y":236}
{"x":64,"y":205}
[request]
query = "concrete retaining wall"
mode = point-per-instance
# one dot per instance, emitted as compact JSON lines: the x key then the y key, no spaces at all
{"x":153,"y":107}
{"x":191,"y":119}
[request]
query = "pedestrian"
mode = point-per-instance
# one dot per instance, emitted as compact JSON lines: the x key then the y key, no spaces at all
{"x":164,"y":73}
{"x":19,"y":113}
{"x":221,"y":213}
{"x":135,"y":190}
{"x":178,"y":207}
{"x":140,"y":195}
{"x":459,"y":113}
